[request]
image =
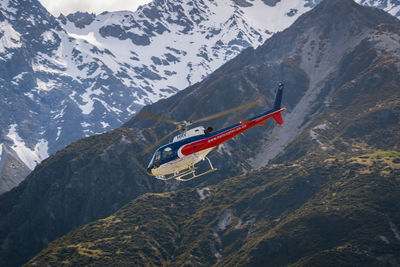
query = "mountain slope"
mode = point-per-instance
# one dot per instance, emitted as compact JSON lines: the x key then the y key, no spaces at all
{"x":99,"y":174}
{"x":315,"y":212}
{"x":83,"y":74}
{"x":331,"y":198}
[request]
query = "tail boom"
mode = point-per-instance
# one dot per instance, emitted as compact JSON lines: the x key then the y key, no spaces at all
{"x":228,"y":133}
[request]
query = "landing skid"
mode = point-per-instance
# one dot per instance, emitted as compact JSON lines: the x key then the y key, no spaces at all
{"x":181,"y":176}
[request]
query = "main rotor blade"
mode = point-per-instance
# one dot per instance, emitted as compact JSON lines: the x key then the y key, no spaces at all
{"x":137,"y":162}
{"x":246,"y":106}
{"x":156,"y":117}
{"x":151,"y":147}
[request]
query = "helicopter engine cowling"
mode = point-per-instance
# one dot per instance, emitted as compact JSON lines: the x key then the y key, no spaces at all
{"x":189,"y":133}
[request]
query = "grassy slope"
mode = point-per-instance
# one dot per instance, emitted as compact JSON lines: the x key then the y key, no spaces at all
{"x":331,"y":211}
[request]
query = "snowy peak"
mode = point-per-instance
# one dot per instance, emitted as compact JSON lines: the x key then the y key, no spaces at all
{"x":80,"y":19}
{"x":180,"y":42}
{"x":390,"y":6}
{"x":10,"y":40}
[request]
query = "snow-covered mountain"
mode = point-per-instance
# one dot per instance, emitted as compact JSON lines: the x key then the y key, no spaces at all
{"x":81,"y":74}
{"x":66,"y":78}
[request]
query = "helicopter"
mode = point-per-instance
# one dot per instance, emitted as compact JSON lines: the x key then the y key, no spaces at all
{"x":177,"y":159}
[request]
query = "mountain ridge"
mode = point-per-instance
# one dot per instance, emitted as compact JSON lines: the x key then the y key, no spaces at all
{"x":71,"y":81}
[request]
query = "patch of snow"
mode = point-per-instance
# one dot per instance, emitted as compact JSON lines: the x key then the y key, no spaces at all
{"x":273,"y":19}
{"x":224,"y":220}
{"x":314,"y":135}
{"x":224,"y":148}
{"x":389,"y":6}
{"x":384,"y":239}
{"x":217,"y":254}
{"x":321,"y":127}
{"x":45,"y":85}
{"x":31,"y":157}
{"x":41,"y":149}
{"x":89,"y":37}
{"x":30,"y":95}
{"x":1,"y":150}
{"x":5,"y":5}
{"x":87,"y":98}
{"x":108,"y":107}
{"x":58,"y":133}
{"x":203,"y":193}
{"x":48,"y":37}
{"x":58,"y":114}
{"x":19,"y":77}
{"x":10,"y":39}
{"x":394,"y":229}
{"x":72,"y":58}
{"x":105,"y":124}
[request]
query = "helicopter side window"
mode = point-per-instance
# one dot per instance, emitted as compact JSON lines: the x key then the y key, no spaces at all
{"x":167,"y":152}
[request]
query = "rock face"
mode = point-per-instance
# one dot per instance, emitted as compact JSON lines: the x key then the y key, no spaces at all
{"x":319,"y":213}
{"x":339,"y":70}
{"x":78,"y":75}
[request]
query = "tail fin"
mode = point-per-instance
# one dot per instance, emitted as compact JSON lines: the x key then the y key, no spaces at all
{"x":278,"y":97}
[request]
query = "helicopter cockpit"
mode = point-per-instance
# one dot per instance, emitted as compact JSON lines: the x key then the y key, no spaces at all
{"x":164,"y":154}
{"x":170,"y":152}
